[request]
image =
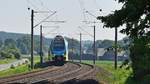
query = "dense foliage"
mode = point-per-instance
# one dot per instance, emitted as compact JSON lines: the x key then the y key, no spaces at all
{"x":9,"y":49}
{"x":135,"y":16}
{"x":73,"y":44}
{"x":23,"y":42}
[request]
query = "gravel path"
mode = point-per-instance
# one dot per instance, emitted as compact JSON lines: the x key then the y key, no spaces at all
{"x":7,"y":66}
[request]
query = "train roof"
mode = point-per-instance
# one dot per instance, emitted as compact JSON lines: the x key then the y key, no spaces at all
{"x":59,"y":36}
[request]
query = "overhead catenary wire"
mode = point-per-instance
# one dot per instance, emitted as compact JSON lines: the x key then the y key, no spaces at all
{"x":83,"y":9}
{"x":43,"y":5}
{"x":86,"y":32}
{"x":91,"y":14}
{"x":55,"y":28}
{"x":54,"y":33}
{"x":96,"y":4}
{"x":32,"y":5}
{"x":45,"y":19}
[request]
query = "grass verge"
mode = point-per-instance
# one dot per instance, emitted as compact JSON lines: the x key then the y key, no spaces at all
{"x":13,"y":71}
{"x":6,"y":61}
{"x":20,"y":69}
{"x":108,"y":75}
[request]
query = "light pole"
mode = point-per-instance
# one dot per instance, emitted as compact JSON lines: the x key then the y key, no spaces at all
{"x":41,"y":41}
{"x":80,"y":47}
{"x":32,"y":31}
{"x":32,"y":26}
{"x":94,"y":44}
{"x":116,"y":37}
{"x":94,"y":47}
{"x":41,"y":45}
{"x":41,"y":55}
{"x":72,"y":49}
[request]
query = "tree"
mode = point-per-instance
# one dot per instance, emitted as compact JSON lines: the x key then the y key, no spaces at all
{"x":16,"y":53}
{"x":23,"y":45}
{"x":10,"y":43}
{"x":106,"y":43}
{"x":135,"y":16}
{"x":4,"y":54}
{"x":7,"y":52}
{"x":73,"y":43}
{"x":1,"y":43}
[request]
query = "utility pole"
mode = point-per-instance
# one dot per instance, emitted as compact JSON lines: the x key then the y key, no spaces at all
{"x":41,"y":42}
{"x":94,"y":42}
{"x":94,"y":48}
{"x":32,"y":27}
{"x":116,"y":47}
{"x":32,"y":31}
{"x":80,"y":47}
{"x":72,"y":50}
{"x":41,"y":47}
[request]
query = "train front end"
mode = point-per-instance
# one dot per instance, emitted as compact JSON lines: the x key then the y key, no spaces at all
{"x":59,"y":49}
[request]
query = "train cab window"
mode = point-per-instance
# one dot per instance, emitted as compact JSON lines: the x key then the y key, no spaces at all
{"x":58,"y":44}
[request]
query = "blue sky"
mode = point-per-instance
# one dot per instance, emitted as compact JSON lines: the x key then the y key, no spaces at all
{"x":15,"y":17}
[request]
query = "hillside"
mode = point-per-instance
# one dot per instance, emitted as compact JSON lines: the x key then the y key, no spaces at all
{"x":23,"y":41}
{"x":15,"y":36}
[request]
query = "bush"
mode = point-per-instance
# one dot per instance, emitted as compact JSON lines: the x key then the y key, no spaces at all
{"x":146,"y":80}
{"x":140,"y":57}
{"x":3,"y":54}
{"x":17,"y":54}
{"x":12,"y":66}
{"x":7,"y":52}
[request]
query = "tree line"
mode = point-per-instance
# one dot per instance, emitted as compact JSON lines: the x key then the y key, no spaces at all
{"x":11,"y":48}
{"x":135,"y":16}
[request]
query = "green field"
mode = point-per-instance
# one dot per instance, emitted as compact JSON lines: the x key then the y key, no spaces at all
{"x":20,"y":69}
{"x":17,"y":70}
{"x":110,"y":75}
{"x":6,"y":61}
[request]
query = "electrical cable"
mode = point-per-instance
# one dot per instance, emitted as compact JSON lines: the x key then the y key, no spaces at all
{"x":45,"y":19}
{"x":34,"y":7}
{"x":83,"y":9}
{"x":42,"y":4}
{"x":86,"y":32}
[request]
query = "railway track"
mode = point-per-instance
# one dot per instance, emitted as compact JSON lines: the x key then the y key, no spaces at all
{"x":53,"y":75}
{"x":77,"y":74}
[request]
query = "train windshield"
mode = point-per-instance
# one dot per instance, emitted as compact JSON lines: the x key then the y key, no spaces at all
{"x":58,"y":44}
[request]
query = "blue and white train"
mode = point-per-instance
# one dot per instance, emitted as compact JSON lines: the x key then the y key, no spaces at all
{"x":59,"y":49}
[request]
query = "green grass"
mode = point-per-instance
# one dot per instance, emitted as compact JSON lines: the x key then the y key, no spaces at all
{"x":6,"y":61}
{"x":16,"y":70}
{"x":118,"y":76}
{"x":36,"y":58}
{"x":20,"y":69}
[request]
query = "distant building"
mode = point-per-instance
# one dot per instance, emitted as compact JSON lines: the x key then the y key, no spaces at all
{"x":103,"y":54}
{"x":89,"y":51}
{"x":101,"y":51}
